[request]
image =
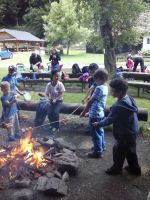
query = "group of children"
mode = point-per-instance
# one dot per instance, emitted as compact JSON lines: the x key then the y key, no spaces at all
{"x":123,"y":116}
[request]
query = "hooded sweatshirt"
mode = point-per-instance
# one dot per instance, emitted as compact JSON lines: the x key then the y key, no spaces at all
{"x":123,"y":116}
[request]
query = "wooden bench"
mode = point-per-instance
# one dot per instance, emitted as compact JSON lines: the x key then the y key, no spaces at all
{"x":139,"y":85}
{"x":45,"y":81}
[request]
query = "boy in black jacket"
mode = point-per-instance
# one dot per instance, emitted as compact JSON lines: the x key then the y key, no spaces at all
{"x":123,"y":116}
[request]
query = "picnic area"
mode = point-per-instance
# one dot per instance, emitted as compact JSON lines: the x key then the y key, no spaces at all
{"x":75,"y":100}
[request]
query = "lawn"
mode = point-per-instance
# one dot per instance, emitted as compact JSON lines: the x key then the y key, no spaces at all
{"x":80,"y":57}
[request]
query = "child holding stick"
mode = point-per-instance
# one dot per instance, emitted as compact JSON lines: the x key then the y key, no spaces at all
{"x":10,"y":113}
{"x":96,"y":105}
{"x":123,"y":116}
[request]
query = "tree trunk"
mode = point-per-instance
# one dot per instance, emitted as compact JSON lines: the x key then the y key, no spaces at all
{"x":68,"y":47}
{"x":107,"y":36}
{"x":70,"y":108}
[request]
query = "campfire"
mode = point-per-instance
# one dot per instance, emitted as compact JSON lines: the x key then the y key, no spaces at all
{"x":43,"y":163}
{"x":23,"y":155}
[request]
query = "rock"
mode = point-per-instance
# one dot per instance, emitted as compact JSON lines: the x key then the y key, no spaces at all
{"x":52,"y":186}
{"x":42,"y":181}
{"x":64,"y":150}
{"x":63,"y":144}
{"x":50,"y":174}
{"x":24,"y":194}
{"x":67,"y":162}
{"x":24,"y":183}
{"x":57,"y":174}
{"x":65,"y":177}
{"x":50,"y":143}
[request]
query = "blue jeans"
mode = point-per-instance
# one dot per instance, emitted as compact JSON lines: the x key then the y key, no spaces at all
{"x":41,"y":112}
{"x":53,"y":113}
{"x":97,"y":136}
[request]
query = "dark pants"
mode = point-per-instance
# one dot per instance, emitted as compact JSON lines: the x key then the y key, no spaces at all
{"x":125,"y":151}
{"x":41,"y":112}
{"x":139,"y":60}
{"x":53,"y":113}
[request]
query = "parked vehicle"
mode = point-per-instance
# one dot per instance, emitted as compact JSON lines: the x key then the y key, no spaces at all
{"x":5,"y":54}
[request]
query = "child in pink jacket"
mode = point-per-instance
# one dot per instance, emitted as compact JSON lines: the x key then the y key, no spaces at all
{"x":129,"y":63}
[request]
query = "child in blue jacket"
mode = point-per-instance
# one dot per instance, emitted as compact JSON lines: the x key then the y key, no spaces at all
{"x":123,"y":116}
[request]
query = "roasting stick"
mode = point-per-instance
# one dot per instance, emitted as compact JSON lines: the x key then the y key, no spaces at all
{"x":62,"y":120}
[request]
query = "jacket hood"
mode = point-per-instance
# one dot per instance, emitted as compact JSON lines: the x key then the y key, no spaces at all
{"x":127,"y":103}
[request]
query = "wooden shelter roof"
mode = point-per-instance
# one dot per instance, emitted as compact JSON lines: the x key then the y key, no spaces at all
{"x":9,"y":35}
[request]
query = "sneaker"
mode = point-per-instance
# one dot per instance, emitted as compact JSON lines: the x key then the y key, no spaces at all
{"x":18,"y":135}
{"x":95,"y":155}
{"x":11,"y":138}
{"x":136,"y":172}
{"x":112,"y":171}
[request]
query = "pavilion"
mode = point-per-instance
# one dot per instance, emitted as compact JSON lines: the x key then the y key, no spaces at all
{"x":15,"y":37}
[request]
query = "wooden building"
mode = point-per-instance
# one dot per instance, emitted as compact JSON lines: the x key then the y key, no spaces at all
{"x":15,"y":37}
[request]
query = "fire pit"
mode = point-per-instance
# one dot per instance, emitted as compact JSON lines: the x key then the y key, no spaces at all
{"x":41,"y":165}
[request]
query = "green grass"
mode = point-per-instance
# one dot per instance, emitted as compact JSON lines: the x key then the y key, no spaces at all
{"x":75,"y":56}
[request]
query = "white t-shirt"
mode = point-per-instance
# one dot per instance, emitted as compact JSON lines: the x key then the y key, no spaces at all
{"x":53,"y":92}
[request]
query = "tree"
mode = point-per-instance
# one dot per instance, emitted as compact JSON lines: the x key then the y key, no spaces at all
{"x":118,"y":19}
{"x":12,"y":12}
{"x":62,"y":25}
{"x":34,"y":21}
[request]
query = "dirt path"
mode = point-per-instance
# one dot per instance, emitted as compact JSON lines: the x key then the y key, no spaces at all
{"x":92,"y":183}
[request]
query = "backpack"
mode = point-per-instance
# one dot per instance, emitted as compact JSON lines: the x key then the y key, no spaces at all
{"x":84,"y":77}
{"x":75,"y":69}
{"x":85,"y":69}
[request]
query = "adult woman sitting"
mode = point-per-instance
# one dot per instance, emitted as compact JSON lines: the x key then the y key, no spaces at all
{"x":54,"y":91}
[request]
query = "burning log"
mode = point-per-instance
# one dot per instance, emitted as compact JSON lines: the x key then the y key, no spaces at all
{"x":69,"y":108}
{"x":49,"y":151}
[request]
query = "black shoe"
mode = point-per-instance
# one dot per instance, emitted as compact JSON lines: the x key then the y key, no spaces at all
{"x":136,"y":172}
{"x":112,"y":171}
{"x":95,"y":155}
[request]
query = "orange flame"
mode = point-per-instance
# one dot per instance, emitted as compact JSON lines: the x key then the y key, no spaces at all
{"x":26,"y":147}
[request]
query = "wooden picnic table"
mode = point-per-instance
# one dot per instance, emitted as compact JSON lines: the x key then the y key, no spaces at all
{"x":30,"y":75}
{"x":137,"y":76}
{"x":45,"y":81}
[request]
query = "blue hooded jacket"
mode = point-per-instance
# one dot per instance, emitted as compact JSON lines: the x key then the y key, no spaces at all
{"x":123,"y":116}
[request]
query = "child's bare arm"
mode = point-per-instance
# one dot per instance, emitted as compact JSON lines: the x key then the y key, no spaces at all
{"x":88,"y":95}
{"x":18,"y":91}
{"x":85,"y":110}
{"x":9,"y":103}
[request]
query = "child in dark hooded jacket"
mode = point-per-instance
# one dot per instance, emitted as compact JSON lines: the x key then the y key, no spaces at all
{"x":123,"y":116}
